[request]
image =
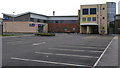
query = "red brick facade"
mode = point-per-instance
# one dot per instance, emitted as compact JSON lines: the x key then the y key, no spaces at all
{"x":63,"y":27}
{"x":117,"y":25}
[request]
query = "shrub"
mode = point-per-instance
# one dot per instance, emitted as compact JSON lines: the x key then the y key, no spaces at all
{"x":45,"y":34}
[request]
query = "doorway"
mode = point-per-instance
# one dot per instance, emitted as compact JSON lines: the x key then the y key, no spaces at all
{"x":40,"y":28}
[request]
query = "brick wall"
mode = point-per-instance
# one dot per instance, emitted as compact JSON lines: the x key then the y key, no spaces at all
{"x":59,"y":27}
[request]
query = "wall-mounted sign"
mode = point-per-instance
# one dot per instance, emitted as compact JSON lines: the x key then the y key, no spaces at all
{"x":32,"y":25}
{"x":6,"y":18}
{"x":41,"y":25}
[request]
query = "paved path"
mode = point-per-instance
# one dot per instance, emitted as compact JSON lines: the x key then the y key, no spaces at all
{"x":110,"y":58}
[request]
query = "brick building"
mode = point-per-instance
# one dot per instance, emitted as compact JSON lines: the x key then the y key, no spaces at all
{"x":117,"y":24}
{"x":32,"y":23}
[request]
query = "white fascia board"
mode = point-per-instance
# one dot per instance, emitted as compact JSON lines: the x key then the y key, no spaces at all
{"x":88,"y":24}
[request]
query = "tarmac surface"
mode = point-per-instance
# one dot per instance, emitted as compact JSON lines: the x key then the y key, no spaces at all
{"x":61,"y":50}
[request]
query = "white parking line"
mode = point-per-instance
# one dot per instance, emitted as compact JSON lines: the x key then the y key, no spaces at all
{"x":75,"y":50}
{"x":103,"y":53}
{"x":51,"y":62}
{"x":38,"y":43}
{"x":66,"y":55}
{"x":83,"y":47}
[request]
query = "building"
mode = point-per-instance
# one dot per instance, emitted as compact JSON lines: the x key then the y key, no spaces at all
{"x":25,"y":23}
{"x":32,"y":23}
{"x":96,"y":18}
{"x":62,"y":24}
{"x":119,"y":7}
{"x":117,"y":24}
{"x":1,"y":26}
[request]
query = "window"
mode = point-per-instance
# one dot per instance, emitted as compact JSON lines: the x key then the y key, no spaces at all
{"x":57,"y":28}
{"x":38,"y":20}
{"x":92,"y":10}
{"x":103,"y":17}
{"x":103,"y":8}
{"x":94,"y":19}
{"x":83,"y":19}
{"x":65,"y":29}
{"x":32,"y":19}
{"x":50,"y":28}
{"x":73,"y":21}
{"x":56,"y":21}
{"x":45,"y":21}
{"x":89,"y":18}
{"x":85,"y":11}
{"x":73,"y":28}
{"x":61,"y":21}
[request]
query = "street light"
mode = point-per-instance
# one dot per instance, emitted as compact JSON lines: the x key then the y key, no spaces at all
{"x":13,"y":24}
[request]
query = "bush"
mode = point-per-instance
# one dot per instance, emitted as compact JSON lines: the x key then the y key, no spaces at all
{"x":8,"y":35}
{"x":45,"y":34}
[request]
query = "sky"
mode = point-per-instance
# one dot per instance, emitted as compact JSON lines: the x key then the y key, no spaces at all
{"x":46,"y":7}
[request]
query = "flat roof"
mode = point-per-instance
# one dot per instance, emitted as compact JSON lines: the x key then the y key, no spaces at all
{"x":38,"y":14}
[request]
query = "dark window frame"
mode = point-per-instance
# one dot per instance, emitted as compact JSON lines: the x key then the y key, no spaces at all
{"x":83,"y":19}
{"x":88,"y":19}
{"x":93,"y":11}
{"x":85,"y":11}
{"x":32,"y":19}
{"x":38,"y":20}
{"x":93,"y":19}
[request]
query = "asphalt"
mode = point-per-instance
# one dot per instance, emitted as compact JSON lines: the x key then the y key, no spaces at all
{"x":110,"y":58}
{"x":61,"y":50}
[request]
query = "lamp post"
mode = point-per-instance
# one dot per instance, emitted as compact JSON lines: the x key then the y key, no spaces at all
{"x":13,"y":24}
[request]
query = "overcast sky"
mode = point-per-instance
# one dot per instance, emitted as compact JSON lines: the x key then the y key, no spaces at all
{"x":46,"y":7}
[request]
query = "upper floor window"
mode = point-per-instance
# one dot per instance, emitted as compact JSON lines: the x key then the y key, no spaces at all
{"x":92,"y":10}
{"x":103,"y":8}
{"x":94,"y":19}
{"x":73,"y":21}
{"x":44,"y":21}
{"x":83,"y":19}
{"x":38,"y":20}
{"x":89,"y":18}
{"x":85,"y":11}
{"x":32,"y":19}
{"x":56,"y":21}
{"x":103,"y":17}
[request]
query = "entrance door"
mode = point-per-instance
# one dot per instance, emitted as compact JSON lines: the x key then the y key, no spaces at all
{"x":95,"y":29}
{"x":40,"y":28}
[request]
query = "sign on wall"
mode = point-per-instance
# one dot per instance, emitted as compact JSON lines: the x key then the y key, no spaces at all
{"x":31,"y":25}
{"x":41,"y":25}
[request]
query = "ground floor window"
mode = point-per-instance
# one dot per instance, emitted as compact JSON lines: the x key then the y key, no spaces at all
{"x":65,"y":29}
{"x":73,"y":28}
{"x":57,"y":28}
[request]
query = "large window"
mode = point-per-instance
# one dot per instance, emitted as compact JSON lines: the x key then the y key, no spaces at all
{"x":94,"y":19}
{"x":44,"y":21}
{"x":92,"y":10}
{"x":83,"y":19}
{"x":38,"y":20}
{"x":89,"y":18}
{"x":85,"y":11}
{"x":32,"y":19}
